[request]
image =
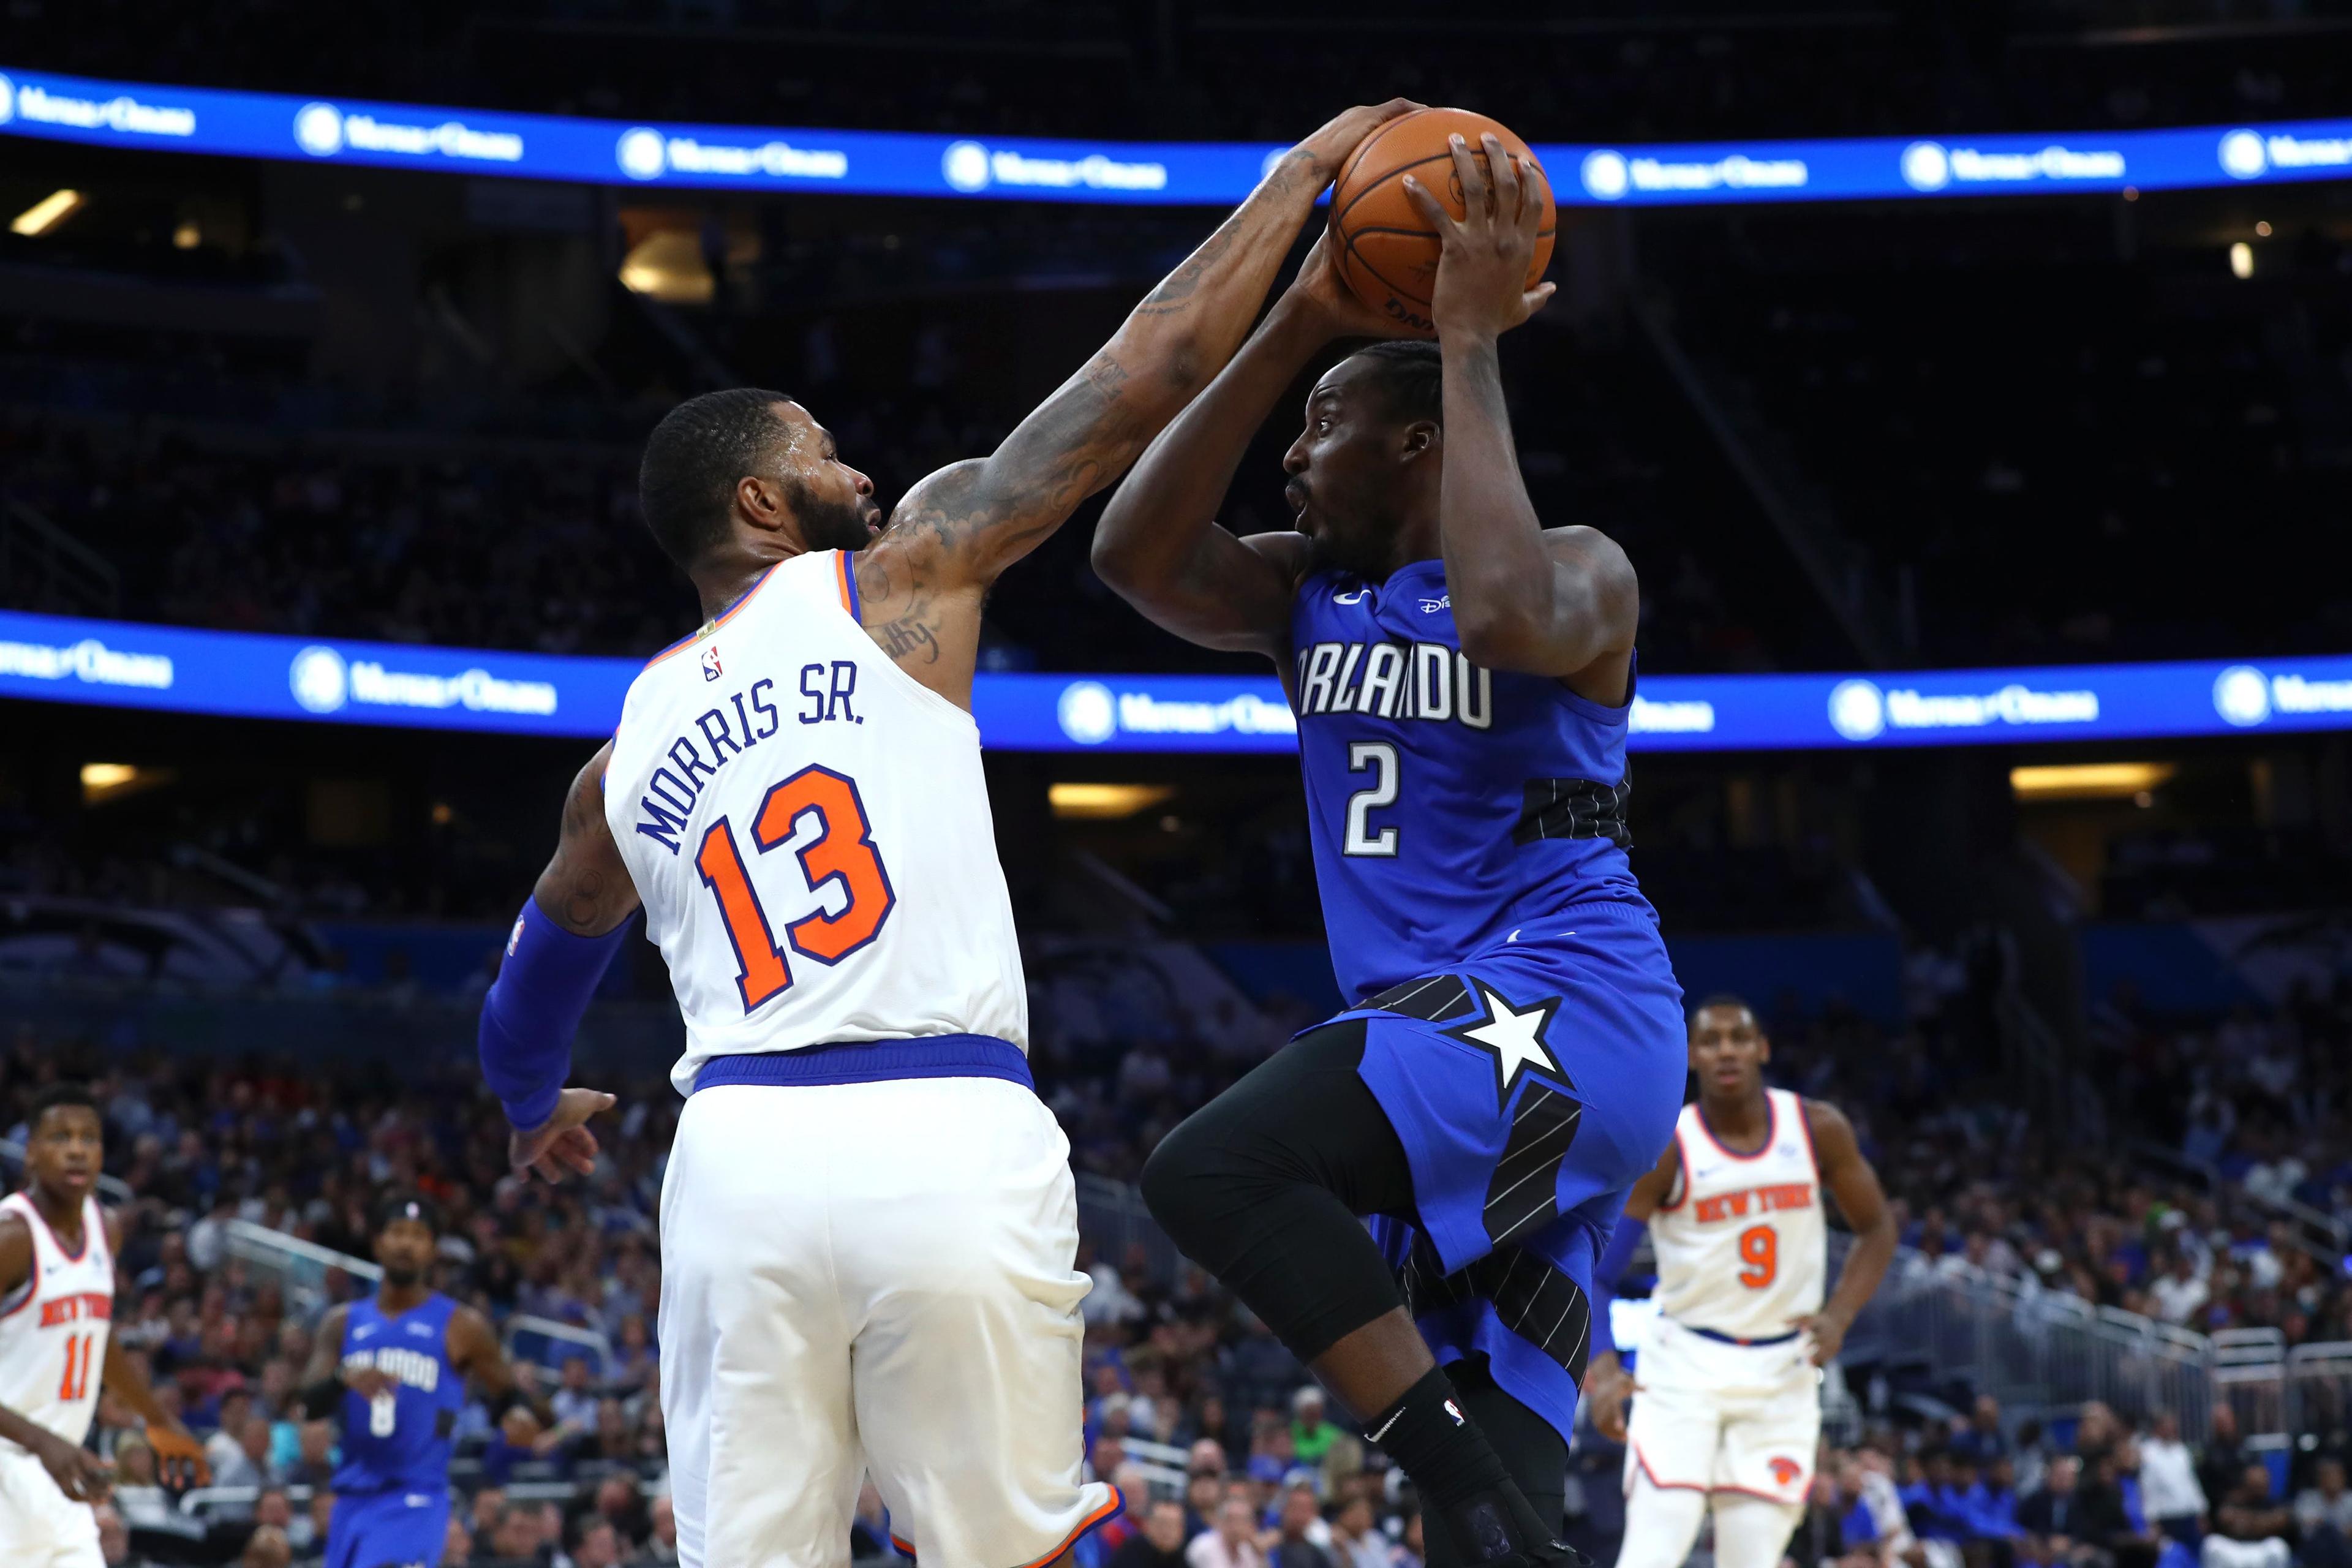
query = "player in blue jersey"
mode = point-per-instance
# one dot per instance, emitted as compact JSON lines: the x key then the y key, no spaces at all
{"x":396,"y":1364}
{"x":1514,"y":1057}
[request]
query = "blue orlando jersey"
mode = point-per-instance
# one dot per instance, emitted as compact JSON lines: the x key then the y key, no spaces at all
{"x":399,"y":1439}
{"x":1450,"y":805}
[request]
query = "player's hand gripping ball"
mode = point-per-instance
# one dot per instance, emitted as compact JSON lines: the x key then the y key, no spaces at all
{"x":1387,"y":250}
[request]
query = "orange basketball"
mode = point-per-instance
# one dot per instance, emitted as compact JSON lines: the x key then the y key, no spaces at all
{"x":1388,"y":253}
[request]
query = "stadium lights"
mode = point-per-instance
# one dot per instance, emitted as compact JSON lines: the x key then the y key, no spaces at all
{"x":103,"y":782}
{"x":2242,"y":259}
{"x":1105,"y":802}
{"x":2089,"y":780}
{"x":668,"y":265}
{"x":46,"y":214}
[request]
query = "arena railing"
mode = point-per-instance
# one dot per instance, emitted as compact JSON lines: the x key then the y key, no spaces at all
{"x":2034,"y":1349}
{"x":304,"y":1269}
{"x":115,"y":1189}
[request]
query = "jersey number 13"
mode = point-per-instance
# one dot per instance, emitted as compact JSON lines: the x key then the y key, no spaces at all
{"x":843,"y":852}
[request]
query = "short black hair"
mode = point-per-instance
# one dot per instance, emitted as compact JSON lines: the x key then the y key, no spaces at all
{"x":56,"y":1095}
{"x":1726,"y":999}
{"x":1411,"y":376}
{"x":686,"y":482}
{"x":408,"y":1205}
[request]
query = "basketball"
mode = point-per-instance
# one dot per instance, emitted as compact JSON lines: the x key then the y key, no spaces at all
{"x":1388,"y":253}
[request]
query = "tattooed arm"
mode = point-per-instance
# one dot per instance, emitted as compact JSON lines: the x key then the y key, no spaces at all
{"x":586,"y":888}
{"x":921,"y":584}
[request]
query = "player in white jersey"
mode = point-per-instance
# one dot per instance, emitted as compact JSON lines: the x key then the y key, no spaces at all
{"x":57,"y":1306}
{"x":1728,"y":1409}
{"x":868,"y":1222}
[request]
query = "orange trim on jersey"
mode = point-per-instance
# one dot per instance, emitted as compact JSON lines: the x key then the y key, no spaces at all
{"x":1805,"y":1125}
{"x":1099,"y":1516}
{"x":725,"y":616}
{"x":35,"y":1210}
{"x":1771,"y":1131}
{"x":1682,"y":1174}
{"x":1802,"y":1485}
{"x":846,"y":583}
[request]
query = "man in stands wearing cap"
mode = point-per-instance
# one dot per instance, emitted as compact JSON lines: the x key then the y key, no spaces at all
{"x":398,"y":1364}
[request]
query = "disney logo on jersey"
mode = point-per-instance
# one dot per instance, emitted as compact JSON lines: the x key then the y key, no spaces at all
{"x":1395,"y":680}
{"x":417,"y":1369}
{"x":1442,"y":602}
{"x":828,"y":696}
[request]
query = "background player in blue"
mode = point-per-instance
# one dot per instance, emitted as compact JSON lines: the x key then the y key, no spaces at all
{"x":396,"y":1364}
{"x":1514,"y":1062}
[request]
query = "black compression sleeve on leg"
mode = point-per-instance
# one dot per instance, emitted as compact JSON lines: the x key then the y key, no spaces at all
{"x":1264,"y":1187}
{"x":1533,"y":1455}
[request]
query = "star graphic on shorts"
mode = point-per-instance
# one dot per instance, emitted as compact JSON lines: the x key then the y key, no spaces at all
{"x":1515,"y":1039}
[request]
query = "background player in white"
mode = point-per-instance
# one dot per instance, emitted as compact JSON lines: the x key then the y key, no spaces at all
{"x":1728,"y":1409}
{"x":56,"y":1305}
{"x":869,"y":1222}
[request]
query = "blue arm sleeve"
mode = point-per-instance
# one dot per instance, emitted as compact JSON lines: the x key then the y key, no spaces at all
{"x":1623,"y":1242}
{"x":532,"y":1008}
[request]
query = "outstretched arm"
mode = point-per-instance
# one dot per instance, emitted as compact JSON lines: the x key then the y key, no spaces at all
{"x":1863,"y":1201}
{"x":920,"y":584}
{"x":568,"y":932}
{"x":1558,"y":603}
{"x":1158,"y":543}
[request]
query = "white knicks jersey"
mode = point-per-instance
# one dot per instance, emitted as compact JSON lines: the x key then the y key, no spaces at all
{"x":53,"y":1327}
{"x":808,"y":826}
{"x":1743,"y":1250}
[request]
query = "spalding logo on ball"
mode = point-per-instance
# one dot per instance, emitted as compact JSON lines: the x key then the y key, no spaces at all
{"x":1387,"y":252}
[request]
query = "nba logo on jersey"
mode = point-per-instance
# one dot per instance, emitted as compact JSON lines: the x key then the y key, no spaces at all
{"x":710,"y":671}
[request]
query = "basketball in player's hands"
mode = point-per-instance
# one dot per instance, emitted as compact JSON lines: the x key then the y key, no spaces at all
{"x":1387,"y":251}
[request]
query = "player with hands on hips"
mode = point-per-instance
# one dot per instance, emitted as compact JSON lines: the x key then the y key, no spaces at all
{"x":1727,"y":1411}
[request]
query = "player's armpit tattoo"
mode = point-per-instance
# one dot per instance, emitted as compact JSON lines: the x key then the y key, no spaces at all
{"x":906,"y":636}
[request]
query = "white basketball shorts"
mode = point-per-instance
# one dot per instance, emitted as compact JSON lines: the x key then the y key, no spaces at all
{"x":1711,"y":1416}
{"x":40,"y":1527}
{"x":873,"y":1277}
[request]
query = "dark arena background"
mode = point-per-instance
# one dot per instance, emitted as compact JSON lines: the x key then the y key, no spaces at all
{"x":1970,"y":383}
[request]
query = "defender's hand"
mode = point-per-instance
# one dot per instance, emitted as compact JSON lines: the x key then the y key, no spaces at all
{"x":1325,"y":299}
{"x":1481,"y":266}
{"x":563,"y":1143}
{"x":179,"y":1458}
{"x":82,"y":1475}
{"x":1828,"y":1329}
{"x":1327,"y":148}
{"x":1607,"y":1386}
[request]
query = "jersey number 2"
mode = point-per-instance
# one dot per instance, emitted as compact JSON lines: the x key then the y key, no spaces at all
{"x":842,"y":852}
{"x":81,"y":1350}
{"x":1378,"y":758}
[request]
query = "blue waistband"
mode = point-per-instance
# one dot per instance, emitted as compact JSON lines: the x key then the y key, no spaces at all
{"x":873,"y":1061}
{"x":1722,"y":1339}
